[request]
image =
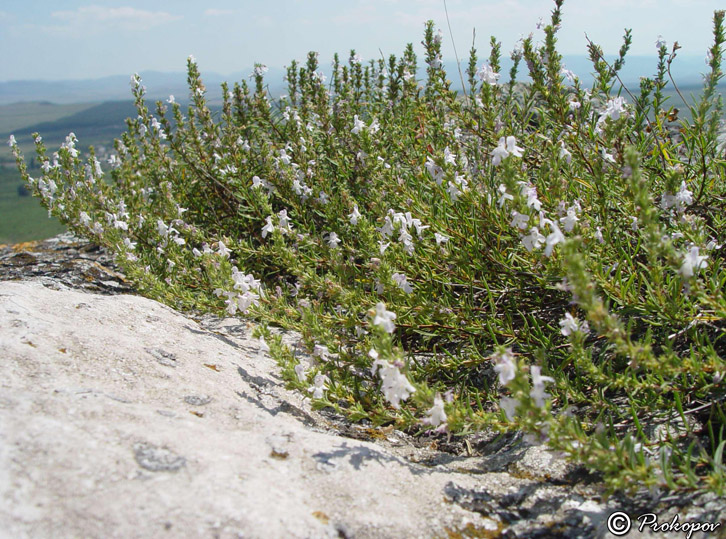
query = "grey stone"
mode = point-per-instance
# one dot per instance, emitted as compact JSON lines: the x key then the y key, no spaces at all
{"x":157,"y":459}
{"x":99,"y":437}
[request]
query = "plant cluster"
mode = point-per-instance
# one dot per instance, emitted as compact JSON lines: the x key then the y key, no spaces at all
{"x":538,"y":256}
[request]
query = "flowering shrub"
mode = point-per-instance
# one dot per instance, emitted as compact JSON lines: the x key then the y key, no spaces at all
{"x":539,"y":256}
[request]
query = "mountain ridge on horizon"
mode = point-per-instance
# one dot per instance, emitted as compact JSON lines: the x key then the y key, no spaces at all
{"x":687,"y":71}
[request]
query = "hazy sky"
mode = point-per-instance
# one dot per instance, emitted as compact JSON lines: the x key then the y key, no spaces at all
{"x":68,"y":39}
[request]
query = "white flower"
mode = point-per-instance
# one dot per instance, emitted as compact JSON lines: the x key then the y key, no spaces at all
{"x":569,"y":75}
{"x":487,"y":74}
{"x":333,"y":240}
{"x":163,"y":230}
{"x":402,"y":282}
{"x":553,"y":239}
{"x":85,"y":219}
{"x":684,"y":197}
{"x":570,"y":219}
{"x":436,"y":172}
{"x":692,"y":262}
{"x":538,"y":393}
{"x":384,"y":318}
{"x":531,"y":193}
{"x":419,"y":226}
{"x":615,"y":108}
{"x":505,"y":147}
{"x":512,"y":147}
{"x":436,"y":414}
{"x":358,"y":125}
{"x":11,"y":141}
{"x":519,"y":220}
{"x":569,"y":324}
{"x":222,"y":250}
{"x":509,"y":405}
{"x":505,"y":366}
{"x":300,"y":372}
{"x":269,"y":227}
{"x":660,"y":42}
{"x":320,"y":351}
{"x":667,"y":200}
{"x":504,"y":195}
{"x":285,"y":225}
{"x":318,"y":387}
{"x":598,"y":235}
{"x":440,"y":238}
{"x":394,"y":384}
{"x":449,"y":157}
{"x":354,"y":215}
{"x":499,"y":153}
{"x":533,"y":240}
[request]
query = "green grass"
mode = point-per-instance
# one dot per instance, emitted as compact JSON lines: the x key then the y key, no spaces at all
{"x":21,"y":115}
{"x":22,"y":218}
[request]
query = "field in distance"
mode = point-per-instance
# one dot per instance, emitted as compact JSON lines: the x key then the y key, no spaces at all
{"x":22,"y":218}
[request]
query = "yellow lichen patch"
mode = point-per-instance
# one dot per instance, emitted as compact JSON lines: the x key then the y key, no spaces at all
{"x":477,"y":531}
{"x":24,"y":246}
{"x":322,"y":517}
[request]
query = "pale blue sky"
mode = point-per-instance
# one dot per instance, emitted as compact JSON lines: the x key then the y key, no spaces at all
{"x":49,"y":40}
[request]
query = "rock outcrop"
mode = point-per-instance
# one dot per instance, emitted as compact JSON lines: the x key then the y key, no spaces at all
{"x":120,"y":417}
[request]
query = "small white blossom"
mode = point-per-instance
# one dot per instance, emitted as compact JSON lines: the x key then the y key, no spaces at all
{"x":692,"y":262}
{"x":300,"y":372}
{"x":570,"y":324}
{"x":505,"y":366}
{"x":509,"y":405}
{"x":538,"y":381}
{"x":504,"y":196}
{"x":358,"y":125}
{"x":354,"y":216}
{"x":553,"y":239}
{"x":394,"y":384}
{"x":436,"y":414}
{"x":519,"y":220}
{"x":487,"y":74}
{"x":384,"y":318}
{"x":319,"y":386}
{"x":615,"y":107}
{"x":222,"y":249}
{"x":533,"y":240}
{"x":269,"y":227}
{"x":333,"y":240}
{"x":402,"y":282}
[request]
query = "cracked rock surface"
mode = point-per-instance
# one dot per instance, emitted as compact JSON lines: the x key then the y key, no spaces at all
{"x":120,"y":417}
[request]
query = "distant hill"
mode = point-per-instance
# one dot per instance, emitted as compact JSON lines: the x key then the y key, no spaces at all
{"x":158,"y":85}
{"x":687,"y":71}
{"x":98,"y":123}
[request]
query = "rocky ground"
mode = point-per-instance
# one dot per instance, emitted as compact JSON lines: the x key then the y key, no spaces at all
{"x":120,"y":417}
